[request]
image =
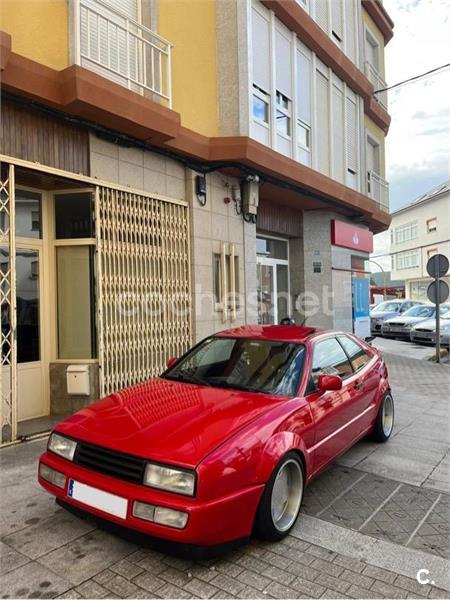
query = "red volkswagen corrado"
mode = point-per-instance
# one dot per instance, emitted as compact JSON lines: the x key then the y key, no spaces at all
{"x":222,"y":443}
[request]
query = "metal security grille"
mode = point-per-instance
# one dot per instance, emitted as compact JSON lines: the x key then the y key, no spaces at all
{"x":8,"y":372}
{"x":143,"y":285}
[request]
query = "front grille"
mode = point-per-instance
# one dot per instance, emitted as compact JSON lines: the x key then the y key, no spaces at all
{"x":110,"y":462}
{"x":426,"y":330}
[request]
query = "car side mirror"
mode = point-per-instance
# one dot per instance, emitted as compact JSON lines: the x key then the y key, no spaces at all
{"x":172,"y":361}
{"x":328,"y":383}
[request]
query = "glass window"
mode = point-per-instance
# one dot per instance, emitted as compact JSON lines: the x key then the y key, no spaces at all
{"x":74,"y":216}
{"x":303,"y":135}
{"x":330,"y":359}
{"x":356,"y":353}
{"x":432,"y":225}
{"x":28,"y":214}
{"x":283,"y":114}
{"x":76,"y":321}
{"x":269,"y":367}
{"x":271,"y":248}
{"x":387,"y":307}
{"x":260,"y":109}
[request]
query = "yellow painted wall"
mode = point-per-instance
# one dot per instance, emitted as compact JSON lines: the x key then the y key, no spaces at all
{"x":369,"y":22}
{"x":378,"y":134}
{"x":190,"y":25}
{"x":39,"y":29}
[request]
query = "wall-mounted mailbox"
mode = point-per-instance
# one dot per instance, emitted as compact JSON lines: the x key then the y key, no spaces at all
{"x":78,"y":380}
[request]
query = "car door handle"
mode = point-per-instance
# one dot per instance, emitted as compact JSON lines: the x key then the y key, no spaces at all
{"x":357,"y":385}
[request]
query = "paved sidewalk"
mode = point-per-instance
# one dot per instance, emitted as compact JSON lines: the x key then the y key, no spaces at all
{"x":368,"y":525}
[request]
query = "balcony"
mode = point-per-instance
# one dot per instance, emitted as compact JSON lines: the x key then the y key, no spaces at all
{"x":378,"y":83}
{"x":378,"y":189}
{"x":123,"y":50}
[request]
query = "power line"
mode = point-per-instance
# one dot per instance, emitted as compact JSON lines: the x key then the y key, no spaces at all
{"x":412,"y":79}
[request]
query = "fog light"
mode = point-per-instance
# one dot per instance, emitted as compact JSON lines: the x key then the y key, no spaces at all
{"x":52,"y":476}
{"x":160,"y":515}
{"x":170,"y":517}
{"x":144,"y":511}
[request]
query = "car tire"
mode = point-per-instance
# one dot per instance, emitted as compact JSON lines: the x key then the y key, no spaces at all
{"x":282,"y":498}
{"x":384,"y":423}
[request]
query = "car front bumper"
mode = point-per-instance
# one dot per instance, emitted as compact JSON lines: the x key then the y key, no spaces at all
{"x":209,"y":523}
{"x":398,"y":332}
{"x":422,"y":337}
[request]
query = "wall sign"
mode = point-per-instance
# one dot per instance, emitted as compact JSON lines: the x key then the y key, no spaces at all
{"x":348,"y":235}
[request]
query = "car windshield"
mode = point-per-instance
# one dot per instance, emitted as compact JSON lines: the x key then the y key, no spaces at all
{"x":387,"y":307}
{"x":446,"y":315}
{"x":270,"y":367}
{"x":420,"y":311}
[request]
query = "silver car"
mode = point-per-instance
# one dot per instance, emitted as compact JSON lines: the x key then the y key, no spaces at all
{"x":388,"y":310}
{"x":400,"y":327}
{"x":425,"y":332}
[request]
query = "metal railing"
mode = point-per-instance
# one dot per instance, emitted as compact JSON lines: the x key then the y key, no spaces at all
{"x":378,"y":189}
{"x":378,"y":83}
{"x":120,"y":48}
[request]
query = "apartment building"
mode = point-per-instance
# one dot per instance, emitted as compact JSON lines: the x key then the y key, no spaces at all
{"x":171,"y":168}
{"x":418,"y":231}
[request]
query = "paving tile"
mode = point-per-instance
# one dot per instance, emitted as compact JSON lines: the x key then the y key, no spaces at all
{"x":327,"y":567}
{"x":315,"y":590}
{"x":10,"y":559}
{"x":257,"y":581}
{"x":126,"y":568}
{"x":172,"y":591}
{"x":279,"y":575}
{"x":149,"y":582}
{"x":381,"y":574}
{"x":70,"y":595}
{"x":200,"y":589}
{"x":227,"y":584}
{"x":86,"y":556}
{"x":33,"y":579}
{"x":361,"y":593}
{"x":352,"y":564}
{"x":229,"y":568}
{"x":20,"y":514}
{"x":278,"y":590}
{"x":48,"y":534}
{"x":92,"y":589}
{"x":356,"y":579}
{"x":337,"y":584}
{"x":389,"y":591}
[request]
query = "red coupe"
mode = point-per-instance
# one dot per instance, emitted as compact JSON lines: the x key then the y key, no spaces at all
{"x":223,"y":443}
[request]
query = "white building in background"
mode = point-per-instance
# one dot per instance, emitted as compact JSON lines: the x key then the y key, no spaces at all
{"x":418,"y":231}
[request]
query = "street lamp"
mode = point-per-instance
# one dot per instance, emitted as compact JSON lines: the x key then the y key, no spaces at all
{"x":384,"y":274}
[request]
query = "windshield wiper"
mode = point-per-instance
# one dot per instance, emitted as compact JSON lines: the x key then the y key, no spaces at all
{"x":235,"y":386}
{"x":189,"y":379}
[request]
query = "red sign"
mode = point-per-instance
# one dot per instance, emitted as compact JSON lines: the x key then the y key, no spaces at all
{"x":350,"y":236}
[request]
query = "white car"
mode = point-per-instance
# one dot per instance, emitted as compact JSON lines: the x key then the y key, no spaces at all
{"x":425,"y":332}
{"x":400,"y":327}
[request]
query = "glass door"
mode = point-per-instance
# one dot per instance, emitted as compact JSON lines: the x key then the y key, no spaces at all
{"x":272,"y":265}
{"x":266,"y":294}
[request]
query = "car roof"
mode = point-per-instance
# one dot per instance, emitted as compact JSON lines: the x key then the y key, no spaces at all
{"x":282,"y":333}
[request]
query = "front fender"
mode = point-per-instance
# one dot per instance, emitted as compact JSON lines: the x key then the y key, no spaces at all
{"x":280,"y":444}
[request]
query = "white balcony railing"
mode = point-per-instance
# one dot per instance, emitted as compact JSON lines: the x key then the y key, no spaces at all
{"x":378,"y":83}
{"x":123,"y":50}
{"x":378,"y":189}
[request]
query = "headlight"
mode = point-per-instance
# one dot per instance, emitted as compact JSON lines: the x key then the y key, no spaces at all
{"x":62,"y":446}
{"x":172,"y":480}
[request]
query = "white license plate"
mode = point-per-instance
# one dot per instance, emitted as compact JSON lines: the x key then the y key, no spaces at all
{"x":91,"y":496}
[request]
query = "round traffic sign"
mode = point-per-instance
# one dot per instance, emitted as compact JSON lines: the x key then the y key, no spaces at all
{"x":437,"y":265}
{"x":433,"y":294}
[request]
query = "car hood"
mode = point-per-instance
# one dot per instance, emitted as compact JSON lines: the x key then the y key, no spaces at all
{"x":167,"y":421}
{"x":430,"y":324}
{"x":382,"y":315}
{"x":405,"y":320}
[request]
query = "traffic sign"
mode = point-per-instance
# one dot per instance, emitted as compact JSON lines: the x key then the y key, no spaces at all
{"x":432,"y":291}
{"x":437,"y":266}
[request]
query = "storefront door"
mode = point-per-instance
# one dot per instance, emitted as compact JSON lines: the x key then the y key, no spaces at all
{"x":273,"y":280}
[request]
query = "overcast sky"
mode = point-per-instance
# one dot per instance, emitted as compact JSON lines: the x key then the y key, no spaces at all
{"x":418,"y":144}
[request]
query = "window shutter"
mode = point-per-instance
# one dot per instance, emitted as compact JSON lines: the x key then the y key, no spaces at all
{"x":338,"y":133}
{"x":303,"y":107}
{"x":351,"y":126}
{"x":337,"y":19}
{"x":321,"y":14}
{"x":107,"y":44}
{"x":261,"y":52}
{"x":283,"y":70}
{"x":350,"y":29}
{"x":323,"y":119}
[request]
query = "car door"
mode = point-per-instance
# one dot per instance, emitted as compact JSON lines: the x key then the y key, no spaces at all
{"x":364,"y":383}
{"x":332,"y":411}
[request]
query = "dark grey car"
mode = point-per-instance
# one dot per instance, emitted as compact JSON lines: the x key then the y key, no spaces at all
{"x":387,"y":310}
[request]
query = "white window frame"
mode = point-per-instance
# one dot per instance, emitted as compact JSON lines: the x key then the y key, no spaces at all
{"x":407,"y":260}
{"x":373,"y":42}
{"x":406,"y":232}
{"x":265,"y":97}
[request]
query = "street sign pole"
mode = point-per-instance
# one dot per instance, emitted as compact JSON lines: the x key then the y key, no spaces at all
{"x":438,"y":323}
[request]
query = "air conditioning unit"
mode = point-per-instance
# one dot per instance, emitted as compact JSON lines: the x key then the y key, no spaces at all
{"x":250,"y":195}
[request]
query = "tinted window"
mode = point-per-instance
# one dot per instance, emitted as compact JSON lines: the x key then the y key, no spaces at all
{"x":74,"y":216}
{"x":356,"y":353}
{"x":330,"y":359}
{"x":264,"y":366}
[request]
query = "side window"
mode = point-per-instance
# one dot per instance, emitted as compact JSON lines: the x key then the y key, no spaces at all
{"x":356,"y":353}
{"x":330,"y":359}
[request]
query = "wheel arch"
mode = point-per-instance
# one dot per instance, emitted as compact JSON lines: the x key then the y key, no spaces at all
{"x":278,"y":446}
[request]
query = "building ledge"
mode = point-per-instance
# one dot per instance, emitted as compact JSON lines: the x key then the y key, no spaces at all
{"x":313,"y":36}
{"x":381,"y":18}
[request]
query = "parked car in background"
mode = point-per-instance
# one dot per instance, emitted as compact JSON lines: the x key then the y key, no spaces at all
{"x":425,"y":332}
{"x":400,"y":327}
{"x":387,"y":310}
{"x":224,"y":441}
